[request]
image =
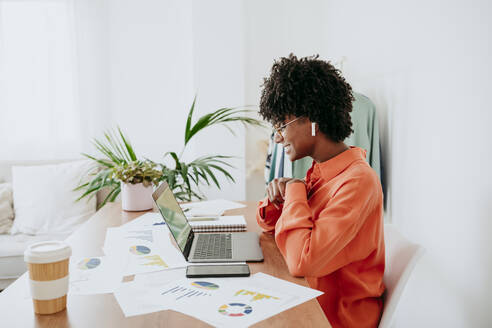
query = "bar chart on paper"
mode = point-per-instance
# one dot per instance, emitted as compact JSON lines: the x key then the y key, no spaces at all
{"x":152,"y":260}
{"x":255,"y":296}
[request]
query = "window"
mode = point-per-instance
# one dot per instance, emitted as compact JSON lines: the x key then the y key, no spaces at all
{"x":38,"y":89}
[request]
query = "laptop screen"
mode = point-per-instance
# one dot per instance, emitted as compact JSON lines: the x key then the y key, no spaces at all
{"x":173,"y":215}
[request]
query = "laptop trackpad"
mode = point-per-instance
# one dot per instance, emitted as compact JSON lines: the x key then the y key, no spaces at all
{"x":246,"y":247}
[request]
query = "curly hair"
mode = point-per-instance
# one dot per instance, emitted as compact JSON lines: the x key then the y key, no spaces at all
{"x":312,"y":88}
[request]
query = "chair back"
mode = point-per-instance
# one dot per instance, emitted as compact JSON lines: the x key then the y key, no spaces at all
{"x":401,"y":258}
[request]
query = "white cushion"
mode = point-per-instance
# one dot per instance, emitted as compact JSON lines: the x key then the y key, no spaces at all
{"x":6,"y":210}
{"x":12,"y":249}
{"x":44,"y":200}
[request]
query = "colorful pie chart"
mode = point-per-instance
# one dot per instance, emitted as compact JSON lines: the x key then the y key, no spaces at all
{"x":205,"y":285}
{"x":235,"y":309}
{"x":139,"y":250}
{"x":89,"y":263}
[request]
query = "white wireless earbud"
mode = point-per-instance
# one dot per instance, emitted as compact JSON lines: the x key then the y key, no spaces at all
{"x":313,"y":129}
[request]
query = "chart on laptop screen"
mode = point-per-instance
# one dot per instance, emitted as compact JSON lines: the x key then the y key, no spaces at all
{"x":175,"y":219}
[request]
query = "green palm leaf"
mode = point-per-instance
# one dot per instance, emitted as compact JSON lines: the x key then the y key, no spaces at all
{"x":111,"y":196}
{"x":220,"y":116}
{"x":188,"y":122}
{"x":175,"y":157}
{"x":114,"y":148}
{"x":128,"y":146}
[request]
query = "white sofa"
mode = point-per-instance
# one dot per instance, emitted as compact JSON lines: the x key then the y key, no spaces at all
{"x":12,"y":247}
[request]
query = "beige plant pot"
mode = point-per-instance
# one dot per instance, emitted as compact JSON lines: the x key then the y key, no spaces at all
{"x":136,"y":197}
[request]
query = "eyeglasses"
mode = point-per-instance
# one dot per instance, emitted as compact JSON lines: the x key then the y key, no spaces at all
{"x":281,"y":128}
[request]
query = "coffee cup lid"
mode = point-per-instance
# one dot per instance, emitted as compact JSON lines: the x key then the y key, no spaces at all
{"x":47,"y":252}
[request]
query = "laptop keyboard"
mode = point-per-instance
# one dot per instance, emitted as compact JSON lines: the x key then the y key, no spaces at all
{"x":213,"y":246}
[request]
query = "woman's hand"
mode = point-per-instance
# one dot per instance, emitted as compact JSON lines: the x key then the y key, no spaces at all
{"x":276,"y":190}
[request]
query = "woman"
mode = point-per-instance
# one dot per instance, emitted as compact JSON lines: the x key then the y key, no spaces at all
{"x":329,"y":226}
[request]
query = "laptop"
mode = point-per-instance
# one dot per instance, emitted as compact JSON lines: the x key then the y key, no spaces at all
{"x":204,"y":247}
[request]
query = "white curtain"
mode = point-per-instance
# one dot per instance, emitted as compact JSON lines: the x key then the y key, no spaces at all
{"x":42,"y":115}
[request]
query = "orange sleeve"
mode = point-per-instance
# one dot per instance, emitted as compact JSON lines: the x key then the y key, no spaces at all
{"x":316,"y":247}
{"x":267,"y":215}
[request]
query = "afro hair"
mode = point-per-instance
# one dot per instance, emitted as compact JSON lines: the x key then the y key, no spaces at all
{"x":312,"y":88}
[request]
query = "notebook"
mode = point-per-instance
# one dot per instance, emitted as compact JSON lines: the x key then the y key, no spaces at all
{"x":210,"y":207}
{"x":223,"y":224}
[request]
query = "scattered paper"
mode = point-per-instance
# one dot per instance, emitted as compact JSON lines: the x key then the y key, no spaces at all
{"x":222,"y":302}
{"x":241,"y":304}
{"x":148,"y":220}
{"x":133,"y":297}
{"x":94,"y":275}
{"x":142,"y":295}
{"x":304,"y":294}
{"x":143,"y":249}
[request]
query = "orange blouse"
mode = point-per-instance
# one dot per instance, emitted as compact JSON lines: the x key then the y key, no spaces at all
{"x":331,"y":232}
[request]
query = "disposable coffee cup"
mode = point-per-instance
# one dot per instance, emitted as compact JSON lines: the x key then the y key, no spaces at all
{"x":48,"y":275}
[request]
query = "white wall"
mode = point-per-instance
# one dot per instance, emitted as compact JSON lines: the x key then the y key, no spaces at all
{"x":151,"y":72}
{"x":218,"y":75}
{"x":427,"y":67}
{"x":92,"y":52}
{"x":161,"y":54}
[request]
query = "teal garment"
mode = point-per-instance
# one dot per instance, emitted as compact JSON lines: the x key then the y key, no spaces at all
{"x":271,"y":169}
{"x":300,"y":167}
{"x":277,"y":164}
{"x":366,"y":130}
{"x":365,"y":136}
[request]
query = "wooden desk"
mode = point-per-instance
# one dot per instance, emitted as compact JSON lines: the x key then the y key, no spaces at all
{"x":103,"y":311}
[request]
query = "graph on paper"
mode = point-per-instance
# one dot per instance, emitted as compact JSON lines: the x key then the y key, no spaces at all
{"x":235,"y":309}
{"x":205,"y":285}
{"x":181,"y":292}
{"x":255,"y":296}
{"x":89,"y":263}
{"x":139,"y":250}
{"x":145,"y":235}
{"x":152,"y":260}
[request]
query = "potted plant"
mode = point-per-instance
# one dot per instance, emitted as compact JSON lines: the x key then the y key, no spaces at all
{"x":120,"y":167}
{"x":120,"y":170}
{"x":137,"y":180}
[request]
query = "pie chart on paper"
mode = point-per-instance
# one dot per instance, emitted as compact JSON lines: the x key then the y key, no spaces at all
{"x":89,"y":263}
{"x":139,"y":250}
{"x":205,"y":285}
{"x":235,"y":309}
